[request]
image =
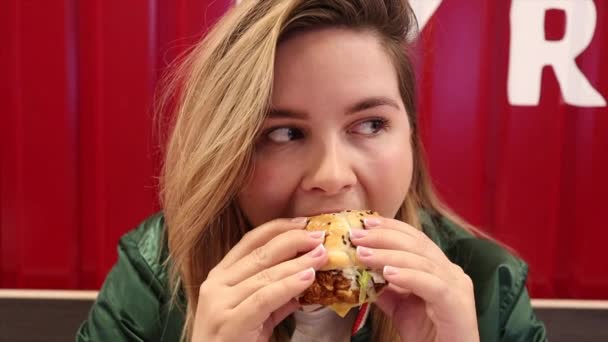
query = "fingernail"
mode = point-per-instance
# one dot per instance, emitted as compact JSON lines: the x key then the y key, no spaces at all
{"x":357,"y":233}
{"x":389,"y":270}
{"x":318,"y":251}
{"x":317,"y":234}
{"x":371,"y":222}
{"x":299,"y":220}
{"x":364,"y":251}
{"x":307,"y":274}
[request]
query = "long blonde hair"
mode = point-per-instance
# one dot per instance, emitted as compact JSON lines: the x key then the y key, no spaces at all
{"x":222,"y":91}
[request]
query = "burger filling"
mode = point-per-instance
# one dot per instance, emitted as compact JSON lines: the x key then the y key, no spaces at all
{"x":343,"y":286}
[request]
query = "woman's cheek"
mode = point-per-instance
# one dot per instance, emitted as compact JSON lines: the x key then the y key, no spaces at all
{"x":267,"y":193}
{"x":274,"y":177}
{"x":388,"y":175}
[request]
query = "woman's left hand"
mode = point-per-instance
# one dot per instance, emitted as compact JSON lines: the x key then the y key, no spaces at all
{"x":428,"y":298}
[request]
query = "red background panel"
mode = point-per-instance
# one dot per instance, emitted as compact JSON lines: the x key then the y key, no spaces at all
{"x":79,"y":151}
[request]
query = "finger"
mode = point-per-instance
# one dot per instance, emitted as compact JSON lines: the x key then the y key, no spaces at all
{"x":256,"y":309}
{"x":386,"y":239}
{"x":378,"y":258}
{"x":279,"y":249}
{"x":427,"y":286}
{"x":278,"y":316}
{"x":388,"y":300}
{"x":259,"y":236}
{"x":284,"y":311}
{"x":397,"y":237}
{"x":315,"y":259}
{"x":373,"y":222}
{"x":398,"y":290}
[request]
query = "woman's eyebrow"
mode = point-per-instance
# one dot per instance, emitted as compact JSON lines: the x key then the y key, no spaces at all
{"x":285,"y":113}
{"x":371,"y":102}
{"x":366,"y":103}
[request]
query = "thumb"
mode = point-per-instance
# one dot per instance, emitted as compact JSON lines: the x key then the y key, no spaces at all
{"x":390,"y":297}
{"x":387,"y":302}
{"x":276,"y":317}
{"x":284,"y":311}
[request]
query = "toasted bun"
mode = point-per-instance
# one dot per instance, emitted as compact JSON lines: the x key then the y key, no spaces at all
{"x":335,"y":284}
{"x":337,"y":242}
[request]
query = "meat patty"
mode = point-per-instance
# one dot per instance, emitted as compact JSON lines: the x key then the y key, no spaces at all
{"x":331,"y":287}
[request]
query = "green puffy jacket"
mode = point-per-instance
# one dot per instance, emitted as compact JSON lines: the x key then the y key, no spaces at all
{"x":133,"y":304}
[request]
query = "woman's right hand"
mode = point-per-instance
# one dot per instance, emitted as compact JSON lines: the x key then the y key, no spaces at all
{"x":253,"y":288}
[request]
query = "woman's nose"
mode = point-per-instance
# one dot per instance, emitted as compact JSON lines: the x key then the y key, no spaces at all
{"x":329,"y":170}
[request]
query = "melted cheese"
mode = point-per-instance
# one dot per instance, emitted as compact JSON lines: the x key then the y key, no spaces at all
{"x":341,"y":308}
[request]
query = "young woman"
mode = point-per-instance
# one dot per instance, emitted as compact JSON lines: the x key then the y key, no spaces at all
{"x":287,"y":109}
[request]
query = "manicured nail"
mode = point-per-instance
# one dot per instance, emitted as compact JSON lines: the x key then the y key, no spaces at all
{"x":364,"y":251}
{"x":317,"y":234}
{"x":371,"y":222}
{"x":300,"y":220}
{"x":307,"y":274}
{"x":318,"y":251}
{"x":389,"y":270}
{"x":357,"y":233}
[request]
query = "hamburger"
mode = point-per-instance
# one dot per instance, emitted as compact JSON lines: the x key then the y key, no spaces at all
{"x":343,"y":282}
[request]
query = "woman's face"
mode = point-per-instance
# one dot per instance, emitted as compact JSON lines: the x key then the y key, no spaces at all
{"x":337,"y":137}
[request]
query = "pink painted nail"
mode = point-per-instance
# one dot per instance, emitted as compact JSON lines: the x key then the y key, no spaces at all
{"x":307,"y":274}
{"x":364,"y":251}
{"x":357,"y":233}
{"x":371,"y":222}
{"x":318,"y":251}
{"x":389,"y":270}
{"x":300,"y":220}
{"x":317,"y":234}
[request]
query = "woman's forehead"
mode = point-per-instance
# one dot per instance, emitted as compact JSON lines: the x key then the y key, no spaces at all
{"x":334,"y":67}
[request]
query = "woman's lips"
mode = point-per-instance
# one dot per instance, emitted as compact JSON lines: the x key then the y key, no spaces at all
{"x":317,"y":212}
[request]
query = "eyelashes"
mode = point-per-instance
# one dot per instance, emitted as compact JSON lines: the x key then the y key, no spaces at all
{"x":372,"y":126}
{"x":285,"y":134}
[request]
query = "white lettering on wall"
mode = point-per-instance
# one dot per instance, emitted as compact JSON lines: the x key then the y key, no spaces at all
{"x":530,"y":52}
{"x":424,"y":10}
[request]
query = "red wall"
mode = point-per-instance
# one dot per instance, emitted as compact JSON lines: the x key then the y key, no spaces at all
{"x":79,"y":153}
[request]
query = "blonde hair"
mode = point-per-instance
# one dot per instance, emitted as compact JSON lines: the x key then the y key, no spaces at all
{"x":222,"y":91}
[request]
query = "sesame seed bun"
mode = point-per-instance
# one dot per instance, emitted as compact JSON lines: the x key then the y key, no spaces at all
{"x":337,"y":283}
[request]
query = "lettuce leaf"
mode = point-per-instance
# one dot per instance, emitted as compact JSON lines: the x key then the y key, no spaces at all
{"x":364,"y":283}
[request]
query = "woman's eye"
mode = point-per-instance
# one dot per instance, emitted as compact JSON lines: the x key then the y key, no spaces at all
{"x":370,"y":127}
{"x":284,"y":134}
